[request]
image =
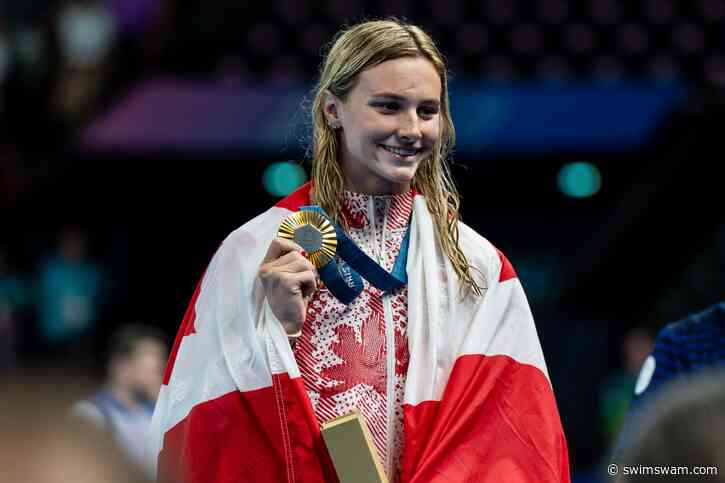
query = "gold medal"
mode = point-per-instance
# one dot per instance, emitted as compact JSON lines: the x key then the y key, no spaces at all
{"x":313,"y":232}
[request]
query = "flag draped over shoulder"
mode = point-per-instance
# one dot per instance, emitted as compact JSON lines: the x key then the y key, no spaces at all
{"x":478,"y":404}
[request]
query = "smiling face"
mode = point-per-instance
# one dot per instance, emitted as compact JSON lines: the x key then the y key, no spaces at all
{"x":389,"y":123}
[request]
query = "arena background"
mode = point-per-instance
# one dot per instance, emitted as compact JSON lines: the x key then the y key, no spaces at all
{"x":589,"y":138}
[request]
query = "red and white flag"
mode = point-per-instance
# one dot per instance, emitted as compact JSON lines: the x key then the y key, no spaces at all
{"x":478,"y":403}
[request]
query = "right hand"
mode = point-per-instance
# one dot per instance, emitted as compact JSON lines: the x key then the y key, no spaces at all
{"x":289,"y":280}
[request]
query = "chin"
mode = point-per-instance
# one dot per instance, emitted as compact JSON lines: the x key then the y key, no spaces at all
{"x":403,"y":179}
{"x":404,"y":174}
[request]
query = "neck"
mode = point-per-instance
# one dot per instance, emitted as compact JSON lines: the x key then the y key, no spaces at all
{"x":374,"y":186}
{"x":359,"y":180}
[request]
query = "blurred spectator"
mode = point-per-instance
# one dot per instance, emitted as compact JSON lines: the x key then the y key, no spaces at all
{"x":39,"y":443}
{"x":617,"y":389}
{"x":86,"y":34}
{"x":684,"y":427}
{"x":13,"y":296}
{"x":681,"y":349}
{"x":124,"y":406}
{"x":70,"y":289}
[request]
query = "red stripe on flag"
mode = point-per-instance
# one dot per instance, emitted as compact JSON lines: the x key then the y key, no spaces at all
{"x":186,"y":328}
{"x":248,"y":436}
{"x":507,"y":270}
{"x":497,"y":421}
{"x":301,"y":197}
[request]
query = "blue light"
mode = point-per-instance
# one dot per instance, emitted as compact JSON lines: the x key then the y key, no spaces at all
{"x":579,"y":180}
{"x":281,"y":179}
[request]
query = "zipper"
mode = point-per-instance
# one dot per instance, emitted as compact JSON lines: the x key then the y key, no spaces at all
{"x":389,"y":342}
{"x":390,"y":345}
{"x":390,"y":351}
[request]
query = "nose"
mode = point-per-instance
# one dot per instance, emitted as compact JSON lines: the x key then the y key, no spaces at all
{"x":409,"y":131}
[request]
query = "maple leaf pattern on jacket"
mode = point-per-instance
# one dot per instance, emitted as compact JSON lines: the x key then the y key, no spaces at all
{"x":342,"y":353}
{"x":363,"y":356}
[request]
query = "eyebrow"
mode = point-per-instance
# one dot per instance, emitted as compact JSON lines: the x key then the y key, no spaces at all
{"x":398,"y":97}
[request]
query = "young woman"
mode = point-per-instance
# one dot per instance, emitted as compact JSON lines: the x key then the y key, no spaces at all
{"x":443,"y":362}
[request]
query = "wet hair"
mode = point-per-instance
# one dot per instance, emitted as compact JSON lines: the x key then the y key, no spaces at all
{"x":354,"y":50}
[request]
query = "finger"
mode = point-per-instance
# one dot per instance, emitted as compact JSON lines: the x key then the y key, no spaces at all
{"x":291,"y":258}
{"x":295,"y":265}
{"x":279,"y":247}
{"x":306,"y":281}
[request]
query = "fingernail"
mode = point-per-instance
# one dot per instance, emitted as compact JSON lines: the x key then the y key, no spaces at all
{"x":304,"y":253}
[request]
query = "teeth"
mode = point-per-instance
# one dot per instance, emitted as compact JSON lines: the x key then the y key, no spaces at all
{"x":399,"y":151}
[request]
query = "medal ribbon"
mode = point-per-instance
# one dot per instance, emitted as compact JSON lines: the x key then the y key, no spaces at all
{"x":343,"y":277}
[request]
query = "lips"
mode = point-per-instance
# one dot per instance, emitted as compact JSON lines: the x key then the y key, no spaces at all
{"x":403,"y":152}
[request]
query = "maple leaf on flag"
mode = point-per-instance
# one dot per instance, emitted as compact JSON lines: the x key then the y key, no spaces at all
{"x":363,"y":361}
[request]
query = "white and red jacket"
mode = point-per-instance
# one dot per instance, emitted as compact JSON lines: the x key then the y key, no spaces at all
{"x":356,"y":355}
{"x":475,"y":404}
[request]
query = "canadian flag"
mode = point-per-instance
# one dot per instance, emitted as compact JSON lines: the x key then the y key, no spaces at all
{"x":478,"y":404}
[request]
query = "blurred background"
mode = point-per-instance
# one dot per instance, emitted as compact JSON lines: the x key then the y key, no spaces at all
{"x":136,"y":134}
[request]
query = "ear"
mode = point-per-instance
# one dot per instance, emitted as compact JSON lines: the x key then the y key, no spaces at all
{"x":331,"y":107}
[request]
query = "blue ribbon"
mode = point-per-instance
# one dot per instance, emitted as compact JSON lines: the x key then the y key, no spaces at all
{"x":342,"y":275}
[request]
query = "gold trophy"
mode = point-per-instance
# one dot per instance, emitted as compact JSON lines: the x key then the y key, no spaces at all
{"x":352,"y":450}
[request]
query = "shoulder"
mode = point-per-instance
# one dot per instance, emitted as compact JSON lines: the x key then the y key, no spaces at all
{"x":696,"y":326}
{"x":703,"y":323}
{"x":683,"y":346}
{"x":484,"y":255}
{"x":701,"y":332}
{"x":88,"y":410}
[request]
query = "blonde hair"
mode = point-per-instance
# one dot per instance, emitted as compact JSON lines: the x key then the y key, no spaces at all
{"x":361,"y":47}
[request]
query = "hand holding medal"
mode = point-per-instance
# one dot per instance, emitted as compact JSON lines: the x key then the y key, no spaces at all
{"x":306,"y":241}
